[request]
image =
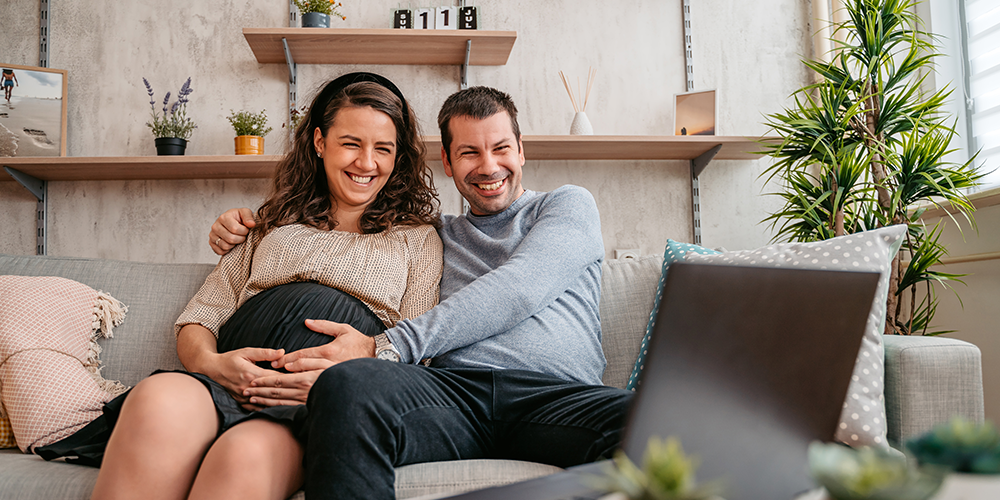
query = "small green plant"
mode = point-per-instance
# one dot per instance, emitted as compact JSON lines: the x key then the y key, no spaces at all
{"x":174,"y":121}
{"x":666,"y":474}
{"x":870,"y":474}
{"x":247,"y":123}
{"x":960,"y":445}
{"x":328,"y":7}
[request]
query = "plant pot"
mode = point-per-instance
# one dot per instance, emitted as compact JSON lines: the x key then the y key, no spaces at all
{"x":315,"y":20}
{"x":170,"y":145}
{"x":249,"y":145}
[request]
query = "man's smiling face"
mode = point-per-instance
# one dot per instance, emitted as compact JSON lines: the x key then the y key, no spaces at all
{"x":486,"y":161}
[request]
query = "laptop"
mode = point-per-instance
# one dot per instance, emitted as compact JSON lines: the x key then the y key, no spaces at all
{"x":746,"y":367}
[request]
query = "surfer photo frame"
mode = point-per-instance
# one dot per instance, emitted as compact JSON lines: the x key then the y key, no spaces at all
{"x":32,"y":111}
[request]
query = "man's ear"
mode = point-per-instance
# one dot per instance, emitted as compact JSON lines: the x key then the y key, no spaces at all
{"x":318,"y":140}
{"x":520,"y":151}
{"x":445,"y":162}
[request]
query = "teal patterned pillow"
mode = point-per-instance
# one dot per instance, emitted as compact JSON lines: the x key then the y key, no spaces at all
{"x":674,"y":252}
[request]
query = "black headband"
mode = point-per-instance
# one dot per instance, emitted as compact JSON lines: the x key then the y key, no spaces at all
{"x":335,"y":87}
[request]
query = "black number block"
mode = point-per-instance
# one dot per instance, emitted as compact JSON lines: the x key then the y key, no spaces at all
{"x":402,"y":19}
{"x":468,"y":18}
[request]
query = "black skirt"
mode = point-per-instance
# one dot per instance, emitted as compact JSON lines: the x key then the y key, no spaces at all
{"x":273,"y":319}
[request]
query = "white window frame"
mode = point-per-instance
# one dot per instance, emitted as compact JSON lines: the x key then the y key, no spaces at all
{"x":947,"y":19}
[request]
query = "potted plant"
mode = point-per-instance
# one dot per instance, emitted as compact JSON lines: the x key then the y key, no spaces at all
{"x":870,"y":474}
{"x":173,"y":128}
{"x":970,"y":451}
{"x":865,"y":147}
{"x":667,"y":473}
{"x":250,"y":131}
{"x":316,"y":13}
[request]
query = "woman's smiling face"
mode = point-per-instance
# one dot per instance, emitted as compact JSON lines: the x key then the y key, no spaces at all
{"x":359,"y":152}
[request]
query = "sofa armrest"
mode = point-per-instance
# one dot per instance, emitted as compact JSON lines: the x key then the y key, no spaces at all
{"x":928,"y":380}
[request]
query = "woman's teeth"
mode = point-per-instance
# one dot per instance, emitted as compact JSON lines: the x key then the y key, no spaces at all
{"x":359,"y":179}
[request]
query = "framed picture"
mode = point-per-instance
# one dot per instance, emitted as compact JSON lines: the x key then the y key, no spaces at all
{"x":694,"y":113}
{"x":32,"y":111}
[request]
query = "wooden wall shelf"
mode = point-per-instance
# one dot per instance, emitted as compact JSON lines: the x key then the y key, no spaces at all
{"x":380,"y":46}
{"x":536,"y":147}
{"x":102,"y":168}
{"x":628,"y":147}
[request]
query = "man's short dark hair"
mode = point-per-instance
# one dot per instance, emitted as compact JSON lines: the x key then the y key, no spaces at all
{"x":479,"y":103}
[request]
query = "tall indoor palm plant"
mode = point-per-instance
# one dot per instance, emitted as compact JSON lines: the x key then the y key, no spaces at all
{"x":865,"y":147}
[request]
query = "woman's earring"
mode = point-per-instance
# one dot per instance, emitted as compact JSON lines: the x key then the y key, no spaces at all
{"x":319,"y":155}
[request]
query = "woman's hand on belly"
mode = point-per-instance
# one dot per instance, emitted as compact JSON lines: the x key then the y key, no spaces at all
{"x":283,"y":388}
{"x":236,"y":370}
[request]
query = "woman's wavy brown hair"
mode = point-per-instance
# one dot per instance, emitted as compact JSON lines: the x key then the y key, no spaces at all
{"x":300,"y":193}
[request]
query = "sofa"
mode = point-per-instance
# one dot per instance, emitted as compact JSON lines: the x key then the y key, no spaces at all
{"x":927,"y":379}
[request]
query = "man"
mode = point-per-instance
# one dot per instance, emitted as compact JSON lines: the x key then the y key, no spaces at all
{"x":515,"y":341}
{"x":9,"y":79}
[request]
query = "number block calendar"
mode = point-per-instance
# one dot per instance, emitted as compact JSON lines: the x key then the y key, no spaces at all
{"x":423,"y":19}
{"x":402,"y":19}
{"x":446,"y":18}
{"x":468,"y":18}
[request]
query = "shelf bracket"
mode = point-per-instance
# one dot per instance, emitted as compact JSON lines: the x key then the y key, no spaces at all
{"x":39,"y":188}
{"x":292,"y":88}
{"x":698,"y":166}
{"x":465,"y":65}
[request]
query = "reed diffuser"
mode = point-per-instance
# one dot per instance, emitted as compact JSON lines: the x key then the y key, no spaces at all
{"x":581,"y":125}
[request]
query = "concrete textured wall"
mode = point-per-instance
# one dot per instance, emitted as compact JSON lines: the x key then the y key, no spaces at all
{"x":971,"y":308}
{"x":748,"y":53}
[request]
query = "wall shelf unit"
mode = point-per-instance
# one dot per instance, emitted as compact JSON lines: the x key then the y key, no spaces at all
{"x":536,"y":147}
{"x":380,"y":46}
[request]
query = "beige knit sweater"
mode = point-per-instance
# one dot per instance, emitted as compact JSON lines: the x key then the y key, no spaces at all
{"x":396,"y":273}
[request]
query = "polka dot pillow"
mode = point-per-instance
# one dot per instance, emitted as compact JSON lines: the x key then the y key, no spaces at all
{"x":862,"y":421}
{"x":674,"y":252}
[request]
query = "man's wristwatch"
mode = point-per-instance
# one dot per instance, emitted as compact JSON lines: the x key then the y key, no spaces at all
{"x":383,"y":348}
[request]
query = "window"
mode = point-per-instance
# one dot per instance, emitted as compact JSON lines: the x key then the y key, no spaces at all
{"x":969,"y":32}
{"x":982,"y":44}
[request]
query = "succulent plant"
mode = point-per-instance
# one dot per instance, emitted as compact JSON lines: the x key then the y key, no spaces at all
{"x":960,"y":445}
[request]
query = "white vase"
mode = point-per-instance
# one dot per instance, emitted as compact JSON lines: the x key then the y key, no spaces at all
{"x":581,"y":125}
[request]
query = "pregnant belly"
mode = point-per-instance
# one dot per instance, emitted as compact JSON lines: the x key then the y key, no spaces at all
{"x":275,"y":318}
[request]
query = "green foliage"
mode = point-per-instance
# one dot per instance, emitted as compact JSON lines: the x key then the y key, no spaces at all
{"x":247,"y":123}
{"x":328,"y":7}
{"x":870,"y":474}
{"x":666,"y":474}
{"x":960,"y":445}
{"x":863,"y":147}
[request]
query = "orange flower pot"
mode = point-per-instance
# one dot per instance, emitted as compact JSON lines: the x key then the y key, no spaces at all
{"x":249,"y":145}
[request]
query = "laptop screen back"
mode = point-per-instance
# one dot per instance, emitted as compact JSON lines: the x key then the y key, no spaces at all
{"x":746,"y":367}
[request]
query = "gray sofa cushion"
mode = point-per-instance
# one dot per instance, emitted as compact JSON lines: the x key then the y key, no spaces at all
{"x":628,"y":288}
{"x":154,"y":293}
{"x":28,"y":476}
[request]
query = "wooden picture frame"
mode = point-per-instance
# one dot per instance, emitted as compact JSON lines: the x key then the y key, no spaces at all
{"x":33,"y":120}
{"x":695,"y":113}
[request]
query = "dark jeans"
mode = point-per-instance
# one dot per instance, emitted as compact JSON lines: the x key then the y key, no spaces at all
{"x":368,"y":416}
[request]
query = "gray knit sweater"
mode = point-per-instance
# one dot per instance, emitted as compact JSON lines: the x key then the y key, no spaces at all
{"x":520,"y":290}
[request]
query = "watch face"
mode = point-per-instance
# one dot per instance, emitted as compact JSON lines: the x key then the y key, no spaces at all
{"x":388,"y":355}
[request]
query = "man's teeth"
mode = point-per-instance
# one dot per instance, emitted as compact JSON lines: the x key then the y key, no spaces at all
{"x":359,"y":179}
{"x":492,"y":186}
